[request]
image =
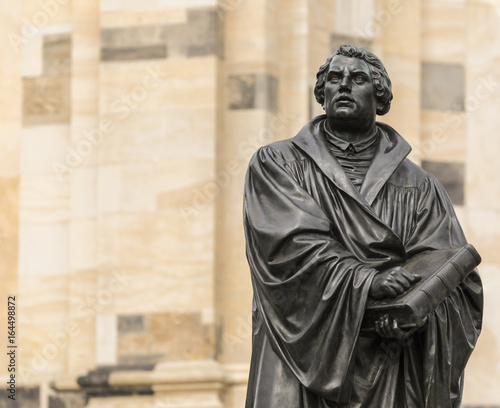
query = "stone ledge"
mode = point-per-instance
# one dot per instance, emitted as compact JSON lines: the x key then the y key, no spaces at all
{"x":165,"y":376}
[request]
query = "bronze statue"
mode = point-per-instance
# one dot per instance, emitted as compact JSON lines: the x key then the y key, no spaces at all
{"x":330,"y":216}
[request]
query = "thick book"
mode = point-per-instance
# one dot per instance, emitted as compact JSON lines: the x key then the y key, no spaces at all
{"x":442,"y":270}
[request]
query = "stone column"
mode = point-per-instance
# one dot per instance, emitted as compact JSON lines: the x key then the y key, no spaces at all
{"x":251,"y":117}
{"x":397,"y":41}
{"x":44,"y":192}
{"x":86,"y":139}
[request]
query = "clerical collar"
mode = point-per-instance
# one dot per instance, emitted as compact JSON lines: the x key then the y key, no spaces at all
{"x":344,"y":144}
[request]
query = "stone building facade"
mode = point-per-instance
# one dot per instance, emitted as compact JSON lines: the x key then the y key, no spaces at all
{"x":125,"y":131}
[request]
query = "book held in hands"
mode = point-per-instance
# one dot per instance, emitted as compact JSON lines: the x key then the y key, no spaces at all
{"x":442,"y":270}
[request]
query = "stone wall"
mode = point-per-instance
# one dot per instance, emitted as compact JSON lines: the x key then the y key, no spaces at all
{"x":125,"y":131}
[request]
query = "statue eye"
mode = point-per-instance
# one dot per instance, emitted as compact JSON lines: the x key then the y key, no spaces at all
{"x":359,"y":79}
{"x":335,"y":79}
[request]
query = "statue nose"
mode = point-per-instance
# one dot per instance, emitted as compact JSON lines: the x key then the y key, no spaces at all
{"x":345,"y":84}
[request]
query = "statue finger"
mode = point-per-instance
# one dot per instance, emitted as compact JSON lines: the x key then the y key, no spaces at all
{"x":381,"y":327}
{"x":397,"y":289}
{"x":410,"y":277}
{"x":378,"y":327}
{"x":390,"y":290}
{"x":397,"y":331}
{"x":405,"y":282}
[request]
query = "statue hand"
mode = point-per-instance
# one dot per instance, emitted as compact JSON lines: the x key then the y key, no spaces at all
{"x":388,"y":327}
{"x":392,"y":283}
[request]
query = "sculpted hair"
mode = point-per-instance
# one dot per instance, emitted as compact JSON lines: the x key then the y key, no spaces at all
{"x":380,"y":77}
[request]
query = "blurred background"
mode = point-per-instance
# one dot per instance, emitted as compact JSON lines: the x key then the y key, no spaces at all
{"x":125,"y":130}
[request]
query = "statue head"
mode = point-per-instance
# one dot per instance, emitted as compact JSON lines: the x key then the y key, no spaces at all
{"x":379,"y":77}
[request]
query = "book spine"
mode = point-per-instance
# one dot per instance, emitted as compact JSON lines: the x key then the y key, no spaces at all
{"x":474,"y":253}
{"x":428,"y":297}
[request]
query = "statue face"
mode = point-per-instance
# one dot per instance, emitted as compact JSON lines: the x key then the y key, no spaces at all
{"x":349,"y":91}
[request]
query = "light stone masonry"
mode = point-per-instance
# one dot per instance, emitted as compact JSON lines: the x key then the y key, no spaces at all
{"x":125,"y":132}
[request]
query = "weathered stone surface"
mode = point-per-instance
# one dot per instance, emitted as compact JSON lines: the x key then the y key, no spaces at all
{"x":134,"y":36}
{"x":25,"y":398}
{"x":267,"y":92}
{"x":139,"y":359}
{"x":241,"y":91}
{"x":443,"y":86}
{"x":253,"y":91}
{"x":451,"y":175}
{"x":57,"y":54}
{"x":204,"y":38}
{"x":199,"y":36}
{"x":131,"y":324}
{"x":134,"y":53}
{"x":46,"y":100}
{"x":67,"y":400}
{"x":176,"y":336}
{"x":97,"y":382}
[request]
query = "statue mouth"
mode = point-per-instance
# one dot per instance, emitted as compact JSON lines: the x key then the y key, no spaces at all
{"x":344,"y":98}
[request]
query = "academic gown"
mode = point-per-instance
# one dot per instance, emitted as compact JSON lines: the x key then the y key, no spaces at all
{"x":314,"y":244}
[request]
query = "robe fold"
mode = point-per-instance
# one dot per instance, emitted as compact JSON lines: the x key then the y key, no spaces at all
{"x":314,"y":244}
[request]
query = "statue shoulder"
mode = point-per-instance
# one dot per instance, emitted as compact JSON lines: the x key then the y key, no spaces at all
{"x":409,"y":174}
{"x":282,"y":150}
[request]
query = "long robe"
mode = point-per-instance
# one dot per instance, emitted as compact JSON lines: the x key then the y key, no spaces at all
{"x":314,"y":244}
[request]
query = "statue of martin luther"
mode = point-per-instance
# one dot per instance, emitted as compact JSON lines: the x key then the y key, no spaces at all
{"x":330,"y":215}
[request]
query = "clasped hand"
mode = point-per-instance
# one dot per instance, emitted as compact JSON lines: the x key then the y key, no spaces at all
{"x":391,"y":283}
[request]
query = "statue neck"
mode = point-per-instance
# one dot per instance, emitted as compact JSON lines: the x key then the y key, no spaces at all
{"x":352,"y":134}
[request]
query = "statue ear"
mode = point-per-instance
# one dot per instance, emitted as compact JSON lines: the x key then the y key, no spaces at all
{"x":380,"y":108}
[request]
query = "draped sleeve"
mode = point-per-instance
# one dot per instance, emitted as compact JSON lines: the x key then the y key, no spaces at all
{"x":309,"y":290}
